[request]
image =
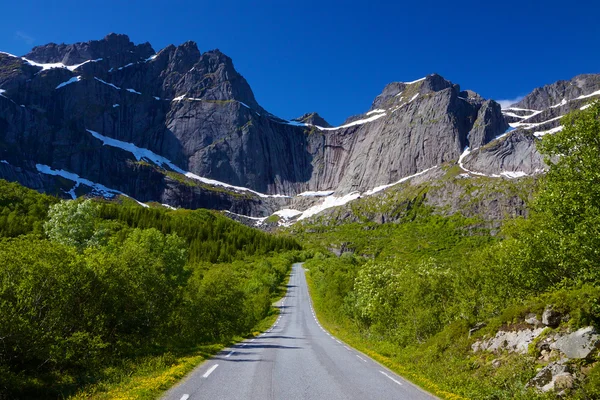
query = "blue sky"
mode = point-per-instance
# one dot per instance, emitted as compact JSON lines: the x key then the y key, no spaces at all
{"x":334,"y":57}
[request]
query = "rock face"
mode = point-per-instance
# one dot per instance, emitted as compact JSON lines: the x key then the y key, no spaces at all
{"x":197,"y":116}
{"x":195,"y":110}
{"x":553,"y":94}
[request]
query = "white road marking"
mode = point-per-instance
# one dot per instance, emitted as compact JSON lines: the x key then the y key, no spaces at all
{"x":230,"y":354}
{"x":185,"y":397}
{"x":363,"y":360}
{"x":338,"y":341}
{"x":210,"y":371}
{"x":347,"y":348}
{"x":398,"y":382}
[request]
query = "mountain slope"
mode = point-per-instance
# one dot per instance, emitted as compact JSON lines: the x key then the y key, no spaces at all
{"x":183,"y":128}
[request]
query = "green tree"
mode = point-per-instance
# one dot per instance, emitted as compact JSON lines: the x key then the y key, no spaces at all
{"x":72,"y":223}
{"x":568,"y":205}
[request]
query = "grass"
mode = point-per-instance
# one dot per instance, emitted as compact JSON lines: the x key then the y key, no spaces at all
{"x":359,"y":343}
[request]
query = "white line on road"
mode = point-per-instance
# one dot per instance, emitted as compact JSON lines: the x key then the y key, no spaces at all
{"x":252,"y":340}
{"x":230,"y":354}
{"x":185,"y":397}
{"x":398,"y":382}
{"x":210,"y":371}
{"x":338,"y":341}
{"x":347,"y":348}
{"x":361,"y":359}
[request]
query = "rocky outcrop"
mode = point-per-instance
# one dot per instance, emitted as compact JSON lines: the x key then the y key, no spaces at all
{"x":579,"y":344}
{"x":512,"y":341}
{"x":313,"y":119}
{"x":553,"y":94}
{"x":555,"y":376}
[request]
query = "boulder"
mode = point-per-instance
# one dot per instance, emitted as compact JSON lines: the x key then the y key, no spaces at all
{"x":551,"y":317}
{"x":532,"y":319}
{"x":579,"y":344}
{"x":553,"y":376}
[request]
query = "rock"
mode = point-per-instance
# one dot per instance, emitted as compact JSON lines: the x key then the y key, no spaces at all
{"x":563,"y":381}
{"x":496,"y":363}
{"x":313,"y":119}
{"x":545,"y":379}
{"x":511,"y":341}
{"x":477,"y":327}
{"x":531,"y":319}
{"x":579,"y":344}
{"x":549,"y":95}
{"x":551,"y":317}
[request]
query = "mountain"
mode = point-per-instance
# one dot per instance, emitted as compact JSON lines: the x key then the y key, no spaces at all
{"x":183,"y":128}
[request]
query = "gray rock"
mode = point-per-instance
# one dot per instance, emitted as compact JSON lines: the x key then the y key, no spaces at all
{"x":551,"y":317}
{"x":579,"y":344}
{"x":546,"y":378}
{"x":532,"y":319}
{"x":511,"y":341}
{"x":553,"y":94}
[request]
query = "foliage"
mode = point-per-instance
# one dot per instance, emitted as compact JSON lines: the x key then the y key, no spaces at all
{"x":22,"y":210}
{"x":111,"y":283}
{"x":429,"y":279}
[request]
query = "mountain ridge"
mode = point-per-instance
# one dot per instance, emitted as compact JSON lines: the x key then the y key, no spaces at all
{"x":196,"y":111}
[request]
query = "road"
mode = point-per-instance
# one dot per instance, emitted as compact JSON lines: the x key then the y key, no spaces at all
{"x":295,"y":359}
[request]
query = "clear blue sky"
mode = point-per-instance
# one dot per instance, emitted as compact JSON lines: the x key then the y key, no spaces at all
{"x":334,"y":57}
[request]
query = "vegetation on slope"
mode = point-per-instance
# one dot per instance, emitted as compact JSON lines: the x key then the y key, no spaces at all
{"x":411,"y":291}
{"x":87,"y":288}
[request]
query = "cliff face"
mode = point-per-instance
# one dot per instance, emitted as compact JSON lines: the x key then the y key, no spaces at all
{"x":110,"y":116}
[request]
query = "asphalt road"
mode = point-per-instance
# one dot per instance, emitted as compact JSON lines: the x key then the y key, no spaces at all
{"x":295,"y":359}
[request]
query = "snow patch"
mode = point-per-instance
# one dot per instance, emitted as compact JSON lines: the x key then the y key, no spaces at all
{"x":418,"y":80}
{"x":72,"y":80}
{"x":141,"y":153}
{"x":168,"y":206}
{"x":106,"y":83}
{"x":46,"y":66}
{"x":287,"y":213}
{"x":585,"y":96}
{"x":377,"y":111}
{"x":97,"y":188}
{"x":316,"y":194}
{"x":150,"y":59}
{"x":259,"y":220}
{"x":383,"y":187}
{"x":115,"y":105}
{"x":125,"y":66}
{"x":562,"y":103}
{"x":133,"y":91}
{"x":4,"y":162}
{"x":549,"y":131}
{"x":328,"y":202}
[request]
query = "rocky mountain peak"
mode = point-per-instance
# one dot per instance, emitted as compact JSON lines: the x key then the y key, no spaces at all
{"x":111,"y":46}
{"x":313,"y":119}
{"x":553,"y":94}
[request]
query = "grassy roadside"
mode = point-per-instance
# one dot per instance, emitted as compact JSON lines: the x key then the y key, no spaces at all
{"x":151,"y":376}
{"x":358,"y":343}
